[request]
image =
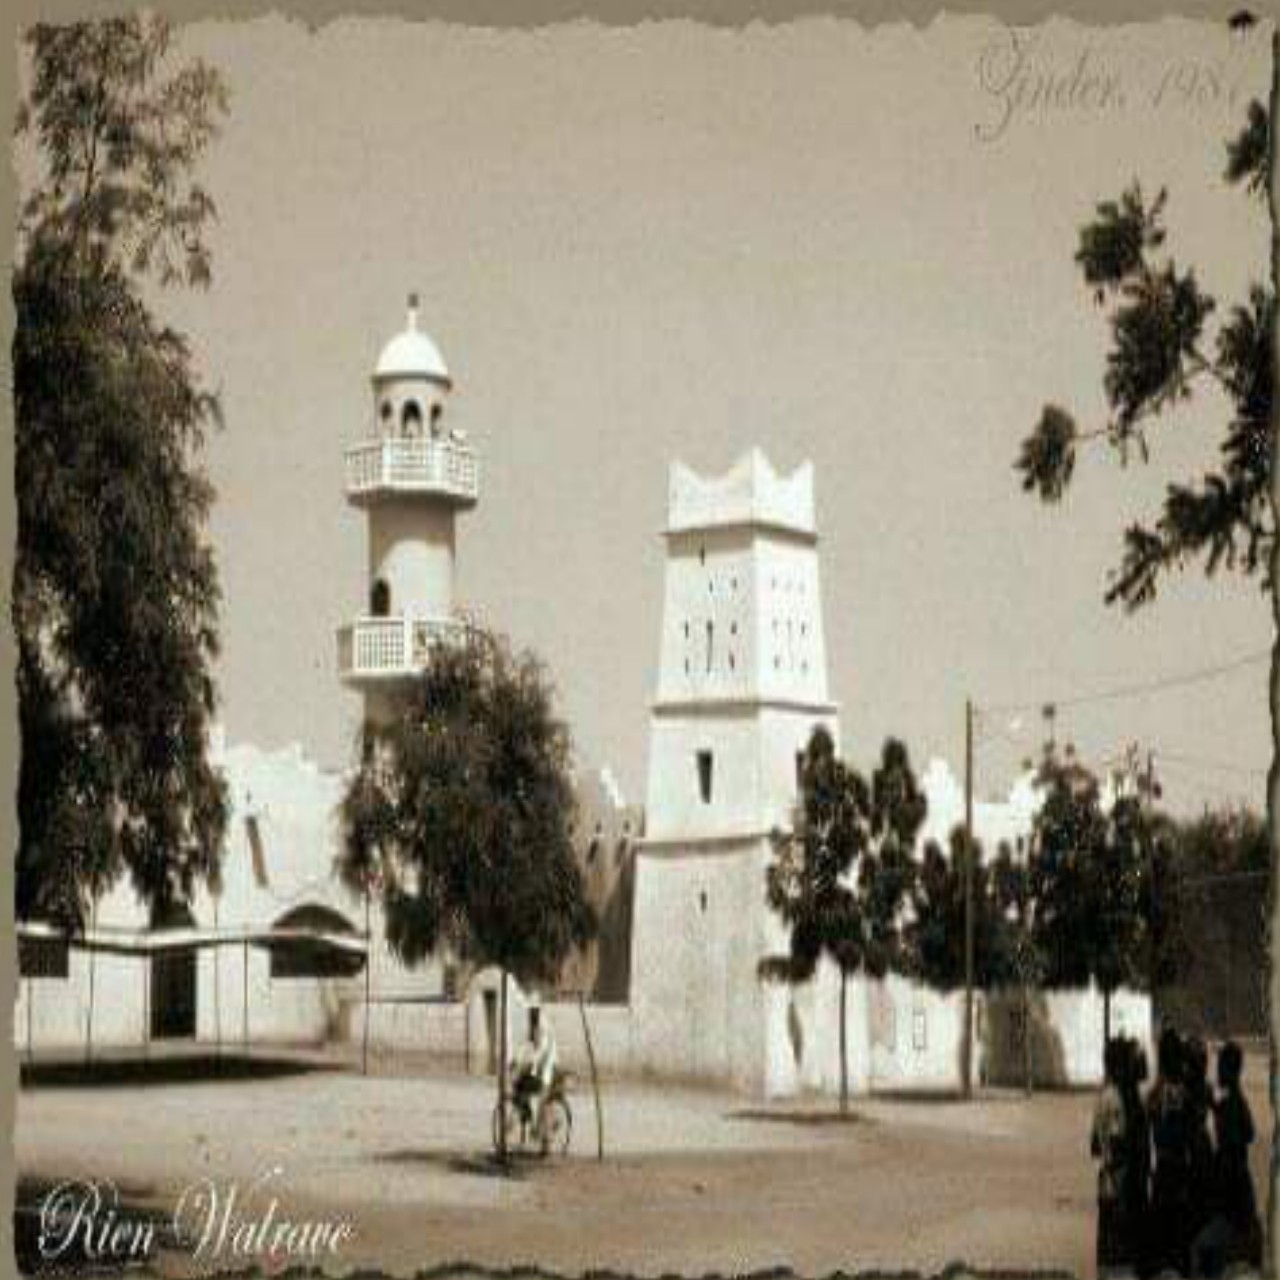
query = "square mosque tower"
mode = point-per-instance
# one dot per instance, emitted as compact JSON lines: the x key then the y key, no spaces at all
{"x":742,"y":684}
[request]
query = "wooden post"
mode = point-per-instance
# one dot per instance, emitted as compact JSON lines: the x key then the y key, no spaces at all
{"x":844,"y":1042}
{"x":368,"y":992}
{"x":217,"y":986}
{"x":966,"y":1055}
{"x":88,"y":1023}
{"x":244,"y":1013}
{"x":595,"y":1079}
{"x":502,"y":1067}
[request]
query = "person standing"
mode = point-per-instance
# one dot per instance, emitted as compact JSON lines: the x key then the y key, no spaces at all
{"x":1108,"y":1143}
{"x":1234,"y":1231}
{"x":1136,"y":1188}
{"x":1168,"y":1114}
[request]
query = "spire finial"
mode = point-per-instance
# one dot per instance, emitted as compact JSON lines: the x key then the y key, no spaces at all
{"x":413,"y":310}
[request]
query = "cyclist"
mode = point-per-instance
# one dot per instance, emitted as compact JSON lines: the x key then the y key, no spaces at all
{"x":534,"y":1068}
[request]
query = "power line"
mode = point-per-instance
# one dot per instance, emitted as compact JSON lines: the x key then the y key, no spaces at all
{"x":1138,"y":689}
{"x":1221,"y":766}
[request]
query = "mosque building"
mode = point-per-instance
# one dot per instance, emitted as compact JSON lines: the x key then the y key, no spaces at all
{"x":282,"y":952}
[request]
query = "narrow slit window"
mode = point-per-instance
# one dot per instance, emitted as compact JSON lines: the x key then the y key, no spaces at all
{"x":705,"y":763}
{"x":711,"y":635}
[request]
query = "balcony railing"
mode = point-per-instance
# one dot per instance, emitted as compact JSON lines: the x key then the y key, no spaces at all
{"x":412,"y":466}
{"x":377,"y":648}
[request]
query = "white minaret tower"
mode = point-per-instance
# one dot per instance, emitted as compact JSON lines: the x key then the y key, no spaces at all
{"x":742,"y":683}
{"x":412,"y":474}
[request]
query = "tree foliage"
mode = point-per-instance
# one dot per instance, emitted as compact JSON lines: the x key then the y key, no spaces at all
{"x":1161,"y":353}
{"x":936,"y":929}
{"x":460,"y":817}
{"x":839,"y":878}
{"x":115,"y":591}
{"x":1088,"y":872}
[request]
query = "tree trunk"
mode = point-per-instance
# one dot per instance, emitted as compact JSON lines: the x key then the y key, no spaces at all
{"x":1027,"y":1080}
{"x":844,"y":1046}
{"x":502,"y":1068}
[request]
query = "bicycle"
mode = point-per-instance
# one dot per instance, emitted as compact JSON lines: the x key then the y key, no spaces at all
{"x":552,"y":1136}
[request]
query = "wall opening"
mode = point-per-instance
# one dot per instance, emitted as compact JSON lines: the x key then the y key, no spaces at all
{"x":301,"y":958}
{"x":380,"y":598}
{"x":44,"y":958}
{"x":411,"y":419}
{"x":705,"y":763}
{"x":173,"y":979}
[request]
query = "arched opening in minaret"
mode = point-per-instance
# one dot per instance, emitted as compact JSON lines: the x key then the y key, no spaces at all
{"x":436,"y":428}
{"x":380,"y":598}
{"x":411,"y":419}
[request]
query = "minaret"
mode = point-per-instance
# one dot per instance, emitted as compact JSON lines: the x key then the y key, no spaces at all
{"x":412,"y":475}
{"x":742,"y":683}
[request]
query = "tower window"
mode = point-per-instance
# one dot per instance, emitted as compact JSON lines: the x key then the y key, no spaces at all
{"x":711,"y":630}
{"x":380,"y":599}
{"x":411,"y":418}
{"x":384,"y":410}
{"x":436,"y":411}
{"x":704,"y":775}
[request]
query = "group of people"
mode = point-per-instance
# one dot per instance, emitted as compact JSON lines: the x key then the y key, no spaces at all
{"x":1174,"y":1188}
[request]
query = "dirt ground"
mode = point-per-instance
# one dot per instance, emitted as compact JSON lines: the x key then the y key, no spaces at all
{"x":694,"y":1180}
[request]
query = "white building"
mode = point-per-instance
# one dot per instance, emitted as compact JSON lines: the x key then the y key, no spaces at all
{"x":742,"y":684}
{"x":282,"y":952}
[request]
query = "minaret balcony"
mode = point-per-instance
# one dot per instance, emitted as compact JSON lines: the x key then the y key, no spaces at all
{"x":405,"y":466}
{"x":374,"y":649}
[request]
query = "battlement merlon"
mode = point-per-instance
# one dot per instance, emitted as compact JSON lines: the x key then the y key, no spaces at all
{"x":751,"y":492}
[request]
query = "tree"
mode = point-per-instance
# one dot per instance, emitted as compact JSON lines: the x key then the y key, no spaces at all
{"x":1088,"y":871}
{"x":839,"y":878}
{"x":115,"y":590}
{"x":935,"y":932}
{"x":460,"y":818}
{"x":1161,"y":353}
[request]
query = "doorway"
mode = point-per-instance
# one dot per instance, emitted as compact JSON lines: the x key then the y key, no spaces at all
{"x":173,"y":981}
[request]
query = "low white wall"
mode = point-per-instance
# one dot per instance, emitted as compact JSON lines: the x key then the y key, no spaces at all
{"x":611,"y":1036}
{"x":916,"y":1036}
{"x":53,"y":1013}
{"x":1066,"y":1035}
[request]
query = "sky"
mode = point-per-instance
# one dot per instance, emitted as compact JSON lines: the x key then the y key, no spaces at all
{"x":638,"y":245}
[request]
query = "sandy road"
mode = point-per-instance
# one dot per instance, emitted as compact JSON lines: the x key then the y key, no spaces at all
{"x":695,"y":1180}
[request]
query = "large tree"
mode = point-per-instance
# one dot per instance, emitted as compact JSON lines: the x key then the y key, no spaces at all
{"x":460,"y":819}
{"x":840,"y":877}
{"x":115,"y":592}
{"x":1089,"y":867}
{"x":1163,"y":351}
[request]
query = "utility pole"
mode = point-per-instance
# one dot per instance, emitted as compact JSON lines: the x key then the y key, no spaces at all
{"x":966,"y":1061}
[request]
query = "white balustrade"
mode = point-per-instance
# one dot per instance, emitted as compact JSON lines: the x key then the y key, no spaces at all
{"x":412,"y":466}
{"x":400,"y":646}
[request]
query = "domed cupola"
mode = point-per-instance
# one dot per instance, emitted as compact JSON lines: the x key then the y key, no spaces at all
{"x":412,"y":354}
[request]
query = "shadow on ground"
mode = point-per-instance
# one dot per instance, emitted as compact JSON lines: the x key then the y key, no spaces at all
{"x":475,"y":1164}
{"x":800,"y":1118}
{"x":122,"y":1072}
